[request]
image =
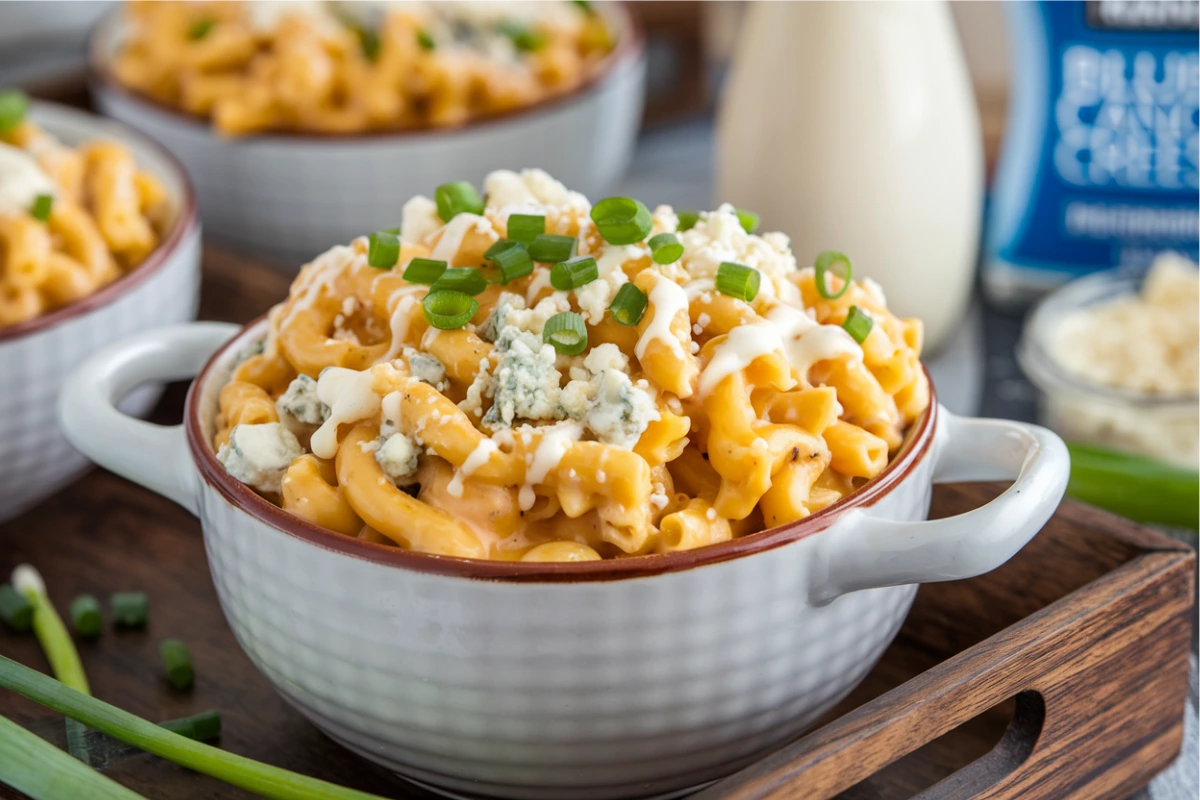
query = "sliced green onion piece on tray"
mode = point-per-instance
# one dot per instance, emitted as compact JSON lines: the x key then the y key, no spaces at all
{"x":383,"y":249}
{"x":622,"y":220}
{"x":838,"y":264}
{"x":513,"y":262}
{"x":253,"y":776}
{"x":665,"y":248}
{"x":467,"y":280}
{"x":13,"y":105}
{"x":178,"y":663}
{"x":738,"y":280}
{"x":550,"y":248}
{"x":130,"y":609}
{"x":687,"y":220}
{"x":86,"y":616}
{"x":858,"y":324}
{"x":38,"y":769}
{"x":525,"y":228}
{"x":629,"y":306}
{"x":748,"y":219}
{"x":568,"y":275}
{"x":424,"y":270}
{"x":566,"y":332}
{"x":15,"y":609}
{"x":447,"y":310}
{"x":1134,"y":486}
{"x":457,"y":198}
{"x":203,"y":727}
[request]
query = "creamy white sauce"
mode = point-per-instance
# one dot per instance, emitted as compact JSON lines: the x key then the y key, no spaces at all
{"x":454,"y":232}
{"x":320,"y":275}
{"x":700,"y":286}
{"x":350,"y":398}
{"x":478,"y":457}
{"x":667,"y":299}
{"x":806,"y":342}
{"x":400,"y":318}
{"x":738,"y":351}
{"x":555,"y":442}
{"x":21,"y":181}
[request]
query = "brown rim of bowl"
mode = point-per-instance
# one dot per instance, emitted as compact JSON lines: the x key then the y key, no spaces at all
{"x":629,"y":48}
{"x":916,"y":447}
{"x":185,"y":222}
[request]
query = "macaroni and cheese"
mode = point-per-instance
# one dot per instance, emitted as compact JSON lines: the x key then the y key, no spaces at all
{"x":351,"y":67}
{"x":71,"y":219}
{"x":531,"y":377}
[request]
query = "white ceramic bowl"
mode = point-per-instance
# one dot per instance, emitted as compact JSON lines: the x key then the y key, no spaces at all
{"x":604,"y":679}
{"x":35,"y":356}
{"x":284,"y":198}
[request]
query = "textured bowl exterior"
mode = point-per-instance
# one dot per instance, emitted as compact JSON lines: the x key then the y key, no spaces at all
{"x":35,"y":458}
{"x":288,"y":198}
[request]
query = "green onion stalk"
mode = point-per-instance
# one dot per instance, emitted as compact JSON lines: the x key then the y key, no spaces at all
{"x":33,"y":766}
{"x":245,"y":773}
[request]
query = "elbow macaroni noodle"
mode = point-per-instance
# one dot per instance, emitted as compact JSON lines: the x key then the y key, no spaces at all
{"x":105,"y":217}
{"x":347,"y":68}
{"x":712,"y":418}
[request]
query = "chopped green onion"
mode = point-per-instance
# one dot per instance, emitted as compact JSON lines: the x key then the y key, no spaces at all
{"x":622,"y":220}
{"x":202,"y":727}
{"x":393,"y":231}
{"x":383,"y":249}
{"x":525,"y":228}
{"x":748,"y":219}
{"x":513,"y":262}
{"x":550,"y":248}
{"x":178,"y":662}
{"x":36,"y":768}
{"x":497,"y":248}
{"x":15,"y":609}
{"x":85,"y":614}
{"x":858,"y":324}
{"x":568,"y":275}
{"x":585,"y":5}
{"x":448,"y":310}
{"x":41,"y":207}
{"x":424,"y":40}
{"x":737,"y":280}
{"x":13,"y":105}
{"x":523,"y":37}
{"x":665,"y":248}
{"x":200,"y":29}
{"x":130,"y":609}
{"x":687,"y":220}
{"x":424,"y":270}
{"x":457,"y":198}
{"x":566,"y":332}
{"x":369,"y":41}
{"x":245,"y":773}
{"x":467,"y":280}
{"x":838,"y":264}
{"x":629,"y":306}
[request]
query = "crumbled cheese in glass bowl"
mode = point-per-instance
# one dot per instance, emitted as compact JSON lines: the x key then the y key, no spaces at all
{"x":1115,"y":358}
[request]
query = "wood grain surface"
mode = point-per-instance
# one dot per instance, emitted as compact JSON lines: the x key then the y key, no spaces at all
{"x":1060,"y":675}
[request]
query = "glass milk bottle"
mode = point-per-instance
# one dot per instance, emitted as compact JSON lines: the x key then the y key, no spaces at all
{"x":853,"y":127}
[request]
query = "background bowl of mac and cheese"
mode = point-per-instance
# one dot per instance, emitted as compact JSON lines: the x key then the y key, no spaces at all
{"x":285,"y":197}
{"x":605,"y":679}
{"x":37,"y":355}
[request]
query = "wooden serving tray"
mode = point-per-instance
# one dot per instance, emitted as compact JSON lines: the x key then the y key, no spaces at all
{"x":1063,"y":674}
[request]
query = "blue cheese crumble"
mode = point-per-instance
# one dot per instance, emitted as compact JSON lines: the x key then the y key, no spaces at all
{"x":426,"y":368}
{"x":525,"y":383}
{"x":258,"y":455}
{"x":300,"y":402}
{"x":397,"y":455}
{"x":604,"y":399}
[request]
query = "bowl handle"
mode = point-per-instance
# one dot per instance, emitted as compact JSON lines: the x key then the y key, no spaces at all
{"x":156,"y":456}
{"x":863,"y":551}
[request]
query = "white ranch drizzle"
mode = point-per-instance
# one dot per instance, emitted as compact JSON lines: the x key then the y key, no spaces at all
{"x":478,"y":457}
{"x":740,"y":348}
{"x":21,"y":180}
{"x":556,"y":440}
{"x":453,"y":233}
{"x":321,"y":274}
{"x":350,"y":397}
{"x":402,"y":301}
{"x":700,"y":286}
{"x":667,"y":299}
{"x":390,"y":406}
{"x":806,"y":341}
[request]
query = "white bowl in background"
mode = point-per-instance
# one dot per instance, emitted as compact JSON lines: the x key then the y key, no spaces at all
{"x":585,"y":681}
{"x":37,"y":355}
{"x":286,"y":197}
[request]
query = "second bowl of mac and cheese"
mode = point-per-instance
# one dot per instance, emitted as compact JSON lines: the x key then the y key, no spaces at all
{"x":98,"y":240}
{"x":302,"y":122}
{"x":538,"y":498}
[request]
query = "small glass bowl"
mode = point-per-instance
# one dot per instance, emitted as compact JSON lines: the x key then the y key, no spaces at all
{"x":1162,"y":427}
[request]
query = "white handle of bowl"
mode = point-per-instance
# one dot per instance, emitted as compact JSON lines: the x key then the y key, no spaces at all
{"x":156,"y":456}
{"x":871,"y":552}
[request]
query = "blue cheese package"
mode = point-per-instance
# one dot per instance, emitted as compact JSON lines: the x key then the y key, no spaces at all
{"x":1099,"y":166}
